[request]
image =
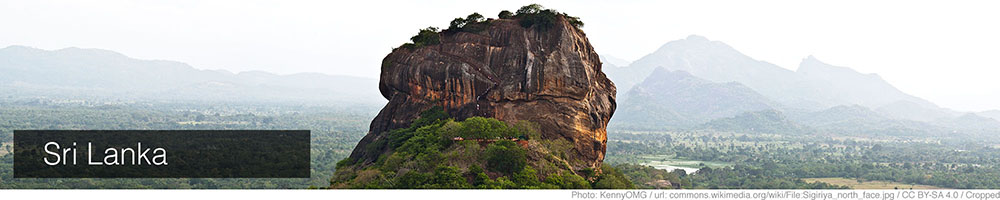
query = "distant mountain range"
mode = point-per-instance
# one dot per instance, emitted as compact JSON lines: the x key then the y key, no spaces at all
{"x":971,"y":122}
{"x":860,"y":120}
{"x":764,"y":121}
{"x":699,"y":83}
{"x":995,"y":114}
{"x":710,"y":60}
{"x":815,"y":86}
{"x":103,"y":74}
{"x":677,"y":99}
{"x":692,"y":83}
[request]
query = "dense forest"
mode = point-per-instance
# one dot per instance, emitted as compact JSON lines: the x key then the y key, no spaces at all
{"x":761,"y":160}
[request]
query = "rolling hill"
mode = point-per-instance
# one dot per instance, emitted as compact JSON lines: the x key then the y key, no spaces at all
{"x":102,"y":74}
{"x":677,"y":99}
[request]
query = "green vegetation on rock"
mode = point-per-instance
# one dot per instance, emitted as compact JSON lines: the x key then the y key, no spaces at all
{"x":426,"y":36}
{"x":529,"y":16}
{"x":437,"y":151}
{"x":535,"y":15}
{"x":472,"y":23}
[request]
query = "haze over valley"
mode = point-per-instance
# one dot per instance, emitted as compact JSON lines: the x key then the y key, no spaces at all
{"x":694,"y":111}
{"x":682,"y":85}
{"x":693,"y":81}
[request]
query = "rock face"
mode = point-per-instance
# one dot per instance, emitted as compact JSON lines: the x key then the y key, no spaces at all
{"x":549,"y":77}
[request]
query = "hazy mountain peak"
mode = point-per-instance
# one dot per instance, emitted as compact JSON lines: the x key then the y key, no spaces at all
{"x":18,"y":49}
{"x":995,"y":114}
{"x":811,"y":65}
{"x":75,"y":51}
{"x":814,"y":86}
{"x":688,"y":54}
{"x":664,"y":73}
{"x":812,"y":61}
{"x":69,"y":53}
{"x":694,"y":43}
{"x":615,"y":61}
{"x":850,"y":86}
{"x":678,"y":99}
{"x":696,"y":38}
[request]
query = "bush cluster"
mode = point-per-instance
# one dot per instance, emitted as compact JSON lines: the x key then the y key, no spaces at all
{"x":506,"y":157}
{"x":426,"y":36}
{"x":533,"y":15}
{"x":426,"y":155}
{"x":474,"y":23}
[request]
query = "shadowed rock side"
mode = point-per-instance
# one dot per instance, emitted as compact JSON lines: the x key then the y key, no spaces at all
{"x":549,"y":77}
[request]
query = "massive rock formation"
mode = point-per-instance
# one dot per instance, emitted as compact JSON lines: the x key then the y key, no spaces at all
{"x":551,"y":77}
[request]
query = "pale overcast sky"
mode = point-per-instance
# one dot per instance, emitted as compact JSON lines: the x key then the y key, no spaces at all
{"x":944,"y":51}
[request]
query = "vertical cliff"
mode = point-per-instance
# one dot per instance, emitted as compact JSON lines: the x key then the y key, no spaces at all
{"x":550,"y":76}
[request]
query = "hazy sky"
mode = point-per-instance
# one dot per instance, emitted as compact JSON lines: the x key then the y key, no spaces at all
{"x":944,"y":51}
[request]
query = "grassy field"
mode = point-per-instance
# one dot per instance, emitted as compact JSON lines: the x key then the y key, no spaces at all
{"x":853,"y":183}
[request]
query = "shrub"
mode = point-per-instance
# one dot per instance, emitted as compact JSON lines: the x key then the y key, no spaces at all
{"x":500,"y":183}
{"x":611,"y":178}
{"x":426,"y":36}
{"x":505,"y":14}
{"x":575,"y":21}
{"x":568,"y":180}
{"x":474,"y":18}
{"x":506,"y":157}
{"x":542,"y":20}
{"x":530,"y":9}
{"x":526,"y":130}
{"x":433,"y":115}
{"x":411,"y":179}
{"x":481,"y":127}
{"x":475,"y":22}
{"x":474,"y":172}
{"x":535,"y":15}
{"x":481,"y":179}
{"x":370,"y":179}
{"x":527,"y":178}
{"x":345,"y":162}
{"x":456,"y":24}
{"x":448,"y":177}
{"x":572,"y":181}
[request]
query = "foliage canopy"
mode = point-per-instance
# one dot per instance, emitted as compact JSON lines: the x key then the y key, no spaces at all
{"x":438,"y":152}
